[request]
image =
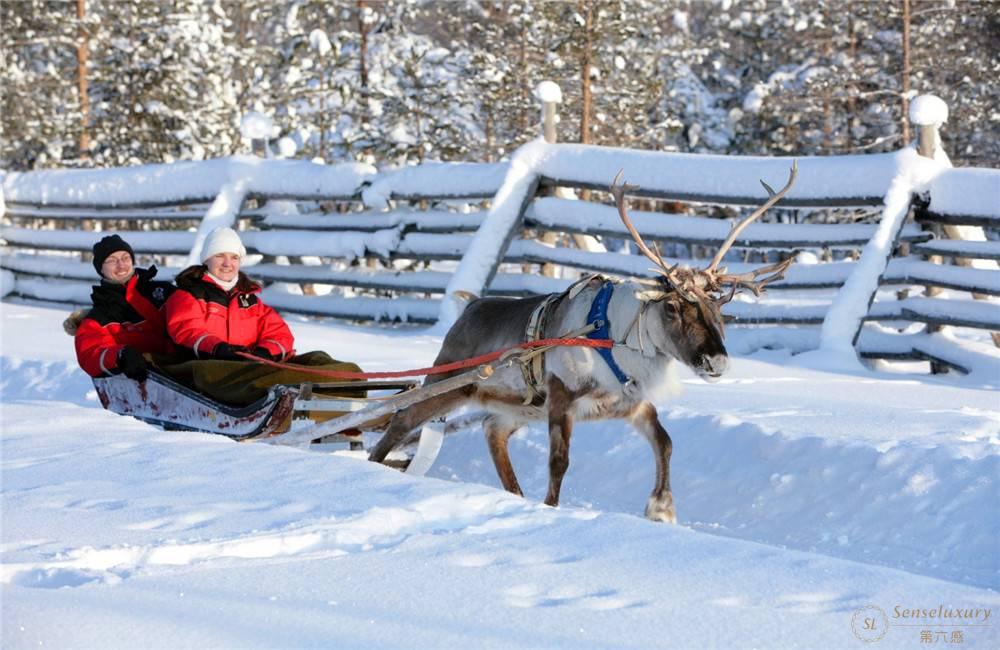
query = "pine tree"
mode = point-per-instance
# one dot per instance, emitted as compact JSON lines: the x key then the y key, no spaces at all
{"x":41,"y":110}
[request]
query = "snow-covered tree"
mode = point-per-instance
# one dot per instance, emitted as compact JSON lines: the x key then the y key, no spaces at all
{"x":162,"y":87}
{"x":39,"y":100}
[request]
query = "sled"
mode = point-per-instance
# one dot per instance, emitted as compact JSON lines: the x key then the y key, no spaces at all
{"x":163,"y":402}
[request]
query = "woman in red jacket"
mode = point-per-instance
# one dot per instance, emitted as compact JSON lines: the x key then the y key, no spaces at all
{"x":125,"y":323}
{"x":216,"y":313}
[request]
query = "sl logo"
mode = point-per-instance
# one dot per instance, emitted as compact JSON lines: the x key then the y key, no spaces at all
{"x":244,"y":300}
{"x":870,"y":623}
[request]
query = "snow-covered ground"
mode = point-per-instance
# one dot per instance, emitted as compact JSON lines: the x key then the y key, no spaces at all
{"x":809,"y":501}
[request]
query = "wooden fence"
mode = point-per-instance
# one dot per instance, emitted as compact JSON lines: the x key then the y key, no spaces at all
{"x":360,"y":245}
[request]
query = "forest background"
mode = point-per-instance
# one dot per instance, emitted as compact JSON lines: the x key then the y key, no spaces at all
{"x":96,"y":83}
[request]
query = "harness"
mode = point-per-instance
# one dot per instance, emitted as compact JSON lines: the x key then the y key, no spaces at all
{"x":598,"y":317}
{"x":598,"y":327}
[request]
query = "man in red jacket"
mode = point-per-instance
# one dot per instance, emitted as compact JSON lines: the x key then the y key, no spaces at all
{"x":125,"y":321}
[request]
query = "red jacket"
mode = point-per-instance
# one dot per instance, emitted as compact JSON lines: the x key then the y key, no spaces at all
{"x":123,"y":315}
{"x":201,"y":314}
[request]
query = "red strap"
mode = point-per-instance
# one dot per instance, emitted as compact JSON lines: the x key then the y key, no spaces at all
{"x":434,"y":370}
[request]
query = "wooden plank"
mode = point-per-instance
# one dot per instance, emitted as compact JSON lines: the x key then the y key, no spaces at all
{"x":720,"y":199}
{"x":154,"y":243}
{"x":16,"y":210}
{"x":384,"y":408}
{"x":962,"y":278}
{"x":583,"y":217}
{"x":973,"y":250}
{"x":977,"y":314}
{"x":763,"y":313}
{"x":913,"y":355}
{"x":191,"y":199}
{"x":436,"y":221}
{"x":986,"y":221}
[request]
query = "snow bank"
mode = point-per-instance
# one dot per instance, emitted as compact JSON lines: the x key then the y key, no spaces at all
{"x":803,"y":496}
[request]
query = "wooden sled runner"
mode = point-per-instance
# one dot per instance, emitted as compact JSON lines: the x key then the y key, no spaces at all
{"x":163,"y":402}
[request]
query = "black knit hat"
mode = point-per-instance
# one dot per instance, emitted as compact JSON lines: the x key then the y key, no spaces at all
{"x":107,"y":246}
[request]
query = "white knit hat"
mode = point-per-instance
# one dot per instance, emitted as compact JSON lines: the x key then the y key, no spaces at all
{"x":222,"y":240}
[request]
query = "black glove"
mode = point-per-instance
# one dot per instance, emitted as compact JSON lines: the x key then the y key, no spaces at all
{"x":264,"y":353}
{"x":226,"y":352}
{"x":132,"y":364}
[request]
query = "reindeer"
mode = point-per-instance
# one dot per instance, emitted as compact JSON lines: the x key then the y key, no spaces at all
{"x":653,"y":323}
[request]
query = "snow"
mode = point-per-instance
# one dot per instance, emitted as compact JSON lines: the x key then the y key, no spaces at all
{"x":966,"y":191}
{"x":585,"y":216}
{"x":435,"y":179}
{"x":843,"y":321}
{"x":256,"y":126}
{"x":852,"y":179}
{"x":804,"y":495}
{"x":491,"y":240}
{"x":928,"y":110}
{"x":548,"y":92}
{"x":181,"y":182}
{"x":81,"y":240}
{"x":419,"y":220}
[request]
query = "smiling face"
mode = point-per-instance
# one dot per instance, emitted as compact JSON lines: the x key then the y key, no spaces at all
{"x":225,"y":266}
{"x":118,"y":267}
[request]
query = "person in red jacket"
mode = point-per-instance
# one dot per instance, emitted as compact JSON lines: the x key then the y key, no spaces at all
{"x":216,"y":313}
{"x":125,"y":322}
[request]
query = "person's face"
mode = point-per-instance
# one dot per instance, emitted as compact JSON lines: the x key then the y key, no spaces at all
{"x":117,"y":267}
{"x":225,"y":266}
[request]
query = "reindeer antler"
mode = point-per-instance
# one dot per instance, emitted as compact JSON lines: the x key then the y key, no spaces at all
{"x":618,"y":191}
{"x":738,"y":228}
{"x":694,"y":284}
{"x":749,"y":279}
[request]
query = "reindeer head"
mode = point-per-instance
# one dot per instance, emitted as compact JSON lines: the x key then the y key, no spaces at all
{"x":687,"y":302}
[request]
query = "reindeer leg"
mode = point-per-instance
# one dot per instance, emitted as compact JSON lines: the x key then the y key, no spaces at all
{"x":560,"y":429}
{"x":660,"y":506}
{"x":498,"y":430}
{"x":410,"y":418}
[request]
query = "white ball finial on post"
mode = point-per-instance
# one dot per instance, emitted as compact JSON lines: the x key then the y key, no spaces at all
{"x":257,"y":128}
{"x":549,"y":93}
{"x":928,"y":113}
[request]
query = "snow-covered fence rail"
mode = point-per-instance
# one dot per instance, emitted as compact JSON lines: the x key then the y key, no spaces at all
{"x":334,"y":214}
{"x":853,"y":182}
{"x":345,"y":241}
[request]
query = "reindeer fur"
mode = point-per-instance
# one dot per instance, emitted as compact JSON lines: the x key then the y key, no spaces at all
{"x":653,"y":328}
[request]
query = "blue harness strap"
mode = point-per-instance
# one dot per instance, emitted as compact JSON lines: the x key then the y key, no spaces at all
{"x":598,"y":317}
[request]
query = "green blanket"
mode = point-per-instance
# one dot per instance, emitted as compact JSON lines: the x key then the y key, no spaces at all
{"x":240,"y":383}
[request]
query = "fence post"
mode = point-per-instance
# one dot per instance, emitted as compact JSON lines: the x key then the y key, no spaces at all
{"x":257,"y":129}
{"x":550,"y":94}
{"x":927,"y":114}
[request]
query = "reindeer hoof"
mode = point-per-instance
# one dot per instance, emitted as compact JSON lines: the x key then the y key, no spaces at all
{"x":661,"y":510}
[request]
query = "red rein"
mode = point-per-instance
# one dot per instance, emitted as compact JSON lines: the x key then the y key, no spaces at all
{"x":433,"y":370}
